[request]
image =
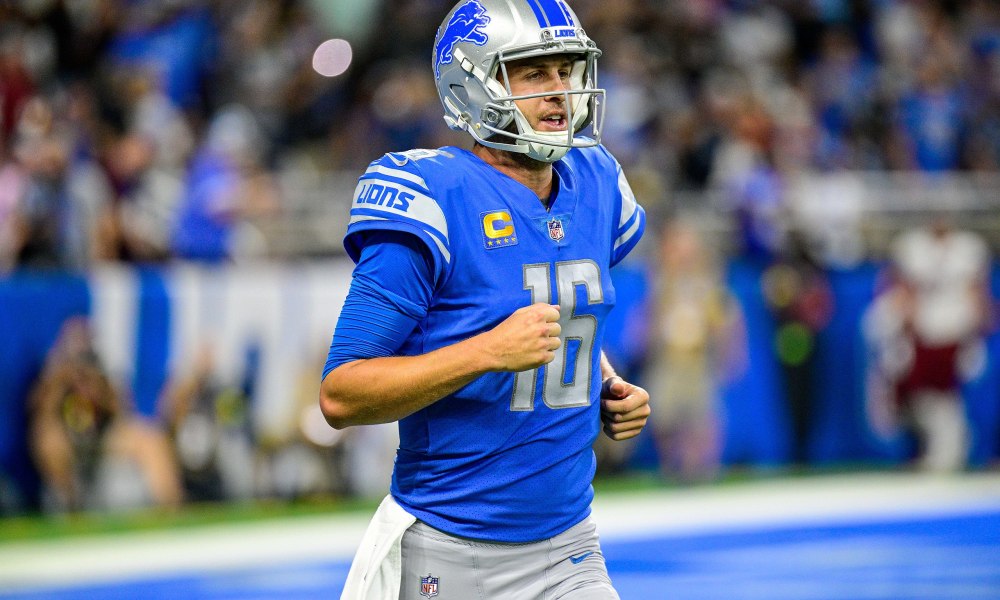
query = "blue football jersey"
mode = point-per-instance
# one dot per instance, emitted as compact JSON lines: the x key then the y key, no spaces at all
{"x":508,"y":457}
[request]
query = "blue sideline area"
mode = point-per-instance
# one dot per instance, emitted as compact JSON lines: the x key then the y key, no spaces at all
{"x":949,"y":556}
{"x":756,"y":431}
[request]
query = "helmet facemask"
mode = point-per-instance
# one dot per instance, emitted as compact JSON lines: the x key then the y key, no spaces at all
{"x":509,"y":129}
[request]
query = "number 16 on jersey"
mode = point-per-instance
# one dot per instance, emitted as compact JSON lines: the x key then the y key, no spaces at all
{"x":565,"y":385}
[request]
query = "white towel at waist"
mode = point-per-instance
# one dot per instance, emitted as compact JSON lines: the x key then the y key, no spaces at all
{"x":378,"y":563}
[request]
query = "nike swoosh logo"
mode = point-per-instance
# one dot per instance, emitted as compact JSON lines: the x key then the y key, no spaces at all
{"x":579,"y":559}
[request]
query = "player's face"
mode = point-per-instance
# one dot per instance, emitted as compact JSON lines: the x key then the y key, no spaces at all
{"x":538,"y":75}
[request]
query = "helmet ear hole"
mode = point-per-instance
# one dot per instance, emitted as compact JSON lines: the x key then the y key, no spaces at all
{"x":460,"y":93}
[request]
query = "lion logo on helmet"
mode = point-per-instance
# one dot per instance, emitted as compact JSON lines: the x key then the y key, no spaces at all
{"x":465,"y":26}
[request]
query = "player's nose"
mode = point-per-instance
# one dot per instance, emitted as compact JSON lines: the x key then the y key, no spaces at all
{"x":557,"y":90}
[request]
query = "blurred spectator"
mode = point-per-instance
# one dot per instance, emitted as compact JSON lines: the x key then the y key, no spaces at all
{"x":16,"y":84}
{"x":923,"y":63}
{"x":146,"y":163}
{"x":60,"y":193}
{"x":844,"y":87}
{"x":798,"y":295}
{"x":928,"y":328}
{"x":981,"y":27}
{"x":629,"y":117}
{"x":13,"y":180}
{"x":700,"y":127}
{"x":696,"y":327}
{"x":755,"y":188}
{"x":931,"y":120}
{"x":265,"y":64}
{"x":211,"y":432}
{"x":404,"y":105}
{"x":227,"y":188}
{"x":91,"y":450}
{"x":174,"y":42}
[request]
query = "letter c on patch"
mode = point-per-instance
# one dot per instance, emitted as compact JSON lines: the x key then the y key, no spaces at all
{"x":498,"y":225}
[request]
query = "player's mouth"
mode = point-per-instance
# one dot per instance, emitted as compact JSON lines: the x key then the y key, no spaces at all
{"x":553,"y":122}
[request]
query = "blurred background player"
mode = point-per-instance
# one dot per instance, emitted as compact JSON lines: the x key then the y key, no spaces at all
{"x":929,"y":326}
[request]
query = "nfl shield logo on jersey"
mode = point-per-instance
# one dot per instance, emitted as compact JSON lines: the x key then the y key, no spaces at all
{"x":429,"y":586}
{"x":556,"y":230}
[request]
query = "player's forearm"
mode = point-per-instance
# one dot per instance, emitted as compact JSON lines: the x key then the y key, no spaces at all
{"x":382,"y":390}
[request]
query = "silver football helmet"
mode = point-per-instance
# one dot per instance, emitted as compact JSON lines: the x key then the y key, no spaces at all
{"x":471,"y":50}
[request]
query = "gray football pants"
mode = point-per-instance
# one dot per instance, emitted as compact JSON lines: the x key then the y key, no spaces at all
{"x":568,"y":566}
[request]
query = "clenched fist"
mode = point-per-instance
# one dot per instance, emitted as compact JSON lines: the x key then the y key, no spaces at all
{"x":527,"y":339}
{"x":624,"y":408}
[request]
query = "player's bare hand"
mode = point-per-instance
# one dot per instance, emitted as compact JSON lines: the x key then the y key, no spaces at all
{"x":624,"y":408}
{"x":527,"y":339}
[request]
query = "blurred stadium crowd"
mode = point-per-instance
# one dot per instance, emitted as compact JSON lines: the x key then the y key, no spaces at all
{"x":798,"y":159}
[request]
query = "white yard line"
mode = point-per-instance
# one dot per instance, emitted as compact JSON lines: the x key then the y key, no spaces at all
{"x":815,"y":500}
{"x":752,"y":505}
{"x":142,"y":554}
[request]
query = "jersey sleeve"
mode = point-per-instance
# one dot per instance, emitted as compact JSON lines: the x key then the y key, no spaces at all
{"x":392,"y":195}
{"x":390,"y":294}
{"x":631,"y":221}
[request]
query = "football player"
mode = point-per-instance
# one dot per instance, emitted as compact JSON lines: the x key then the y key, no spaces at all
{"x":476,"y":315}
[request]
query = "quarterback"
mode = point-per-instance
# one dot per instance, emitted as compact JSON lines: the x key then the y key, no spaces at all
{"x":476,"y":315}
